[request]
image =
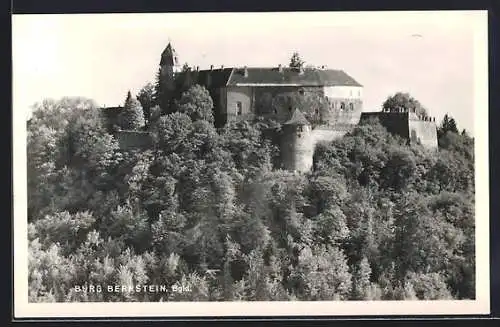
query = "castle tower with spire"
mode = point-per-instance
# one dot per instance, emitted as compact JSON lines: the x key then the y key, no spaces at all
{"x":169,"y":67}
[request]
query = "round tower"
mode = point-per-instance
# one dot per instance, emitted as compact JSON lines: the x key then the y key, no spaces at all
{"x":297,"y":146}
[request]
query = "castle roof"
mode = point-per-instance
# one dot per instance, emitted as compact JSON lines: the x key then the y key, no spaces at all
{"x":297,"y":118}
{"x":218,"y":77}
{"x":274,"y":76}
{"x":290,"y":76}
{"x":168,"y":56}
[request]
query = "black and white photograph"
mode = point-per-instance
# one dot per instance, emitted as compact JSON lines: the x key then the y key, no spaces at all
{"x":298,"y":163}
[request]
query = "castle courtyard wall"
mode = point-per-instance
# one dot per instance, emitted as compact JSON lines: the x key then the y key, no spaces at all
{"x":235,"y":95}
{"x":423,"y":132}
{"x":396,"y":123}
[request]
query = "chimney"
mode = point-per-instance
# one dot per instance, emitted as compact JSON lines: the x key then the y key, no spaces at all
{"x":245,"y":71}
{"x":197,"y":68}
{"x":280,"y":68}
{"x":221,"y":66}
{"x":211,"y":67}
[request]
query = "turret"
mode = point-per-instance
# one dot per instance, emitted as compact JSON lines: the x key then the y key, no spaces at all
{"x":296,"y":144}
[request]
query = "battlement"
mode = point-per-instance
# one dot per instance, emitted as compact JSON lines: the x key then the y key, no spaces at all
{"x":419,"y":129}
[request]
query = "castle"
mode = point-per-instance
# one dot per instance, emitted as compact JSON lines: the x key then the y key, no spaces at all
{"x":312,"y":105}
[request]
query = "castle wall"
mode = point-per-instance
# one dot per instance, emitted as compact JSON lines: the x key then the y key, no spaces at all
{"x":423,"y":132}
{"x":297,"y":148}
{"x":340,"y":112}
{"x":219,"y":97}
{"x":278,"y":102}
{"x":242,"y":95}
{"x":395,"y":122}
{"x":346,"y":92}
{"x":272,"y":102}
{"x":322,"y":134}
{"x":408,"y":126}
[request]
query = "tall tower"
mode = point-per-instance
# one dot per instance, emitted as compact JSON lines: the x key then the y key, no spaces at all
{"x":169,"y":66}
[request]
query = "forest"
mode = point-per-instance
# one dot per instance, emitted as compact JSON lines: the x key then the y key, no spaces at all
{"x":205,"y":209}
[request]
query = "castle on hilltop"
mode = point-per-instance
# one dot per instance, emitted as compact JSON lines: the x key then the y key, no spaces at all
{"x":311,"y":104}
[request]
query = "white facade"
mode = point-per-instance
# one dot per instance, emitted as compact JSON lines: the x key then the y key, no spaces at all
{"x":345,"y":92}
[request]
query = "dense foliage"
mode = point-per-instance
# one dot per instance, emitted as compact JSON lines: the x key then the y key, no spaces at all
{"x":401,"y":100}
{"x":132,"y":115}
{"x":205,"y":209}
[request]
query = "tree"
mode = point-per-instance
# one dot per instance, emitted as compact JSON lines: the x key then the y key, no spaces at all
{"x":448,"y":124}
{"x":296,"y":61}
{"x":405,"y":101}
{"x":146,"y":98}
{"x":170,"y":131}
{"x":361,"y":282}
{"x":70,"y":155}
{"x":197,"y":104}
{"x":162,"y":96}
{"x":132,"y":115}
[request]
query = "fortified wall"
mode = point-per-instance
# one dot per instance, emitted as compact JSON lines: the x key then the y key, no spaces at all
{"x":417,"y":129}
{"x":299,"y":139}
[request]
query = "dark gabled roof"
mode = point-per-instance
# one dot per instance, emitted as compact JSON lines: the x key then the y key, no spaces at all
{"x":218,"y":77}
{"x":308,"y":77}
{"x":297,"y":118}
{"x":265,"y":76}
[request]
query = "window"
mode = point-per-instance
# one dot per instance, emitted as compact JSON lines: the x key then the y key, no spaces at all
{"x":239,"y":108}
{"x":351,"y":107}
{"x":342,"y":106}
{"x":275,"y":111}
{"x":301,"y":91}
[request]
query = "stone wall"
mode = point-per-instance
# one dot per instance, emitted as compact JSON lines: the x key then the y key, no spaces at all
{"x":408,"y":126}
{"x":423,"y":132}
{"x":297,"y":148}
{"x":278,"y":102}
{"x":242,"y":95}
{"x":343,"y":111}
{"x":395,"y":122}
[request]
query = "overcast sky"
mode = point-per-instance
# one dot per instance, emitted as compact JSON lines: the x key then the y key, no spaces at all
{"x":429,"y":55}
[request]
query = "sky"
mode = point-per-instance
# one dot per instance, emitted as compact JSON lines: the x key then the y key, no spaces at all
{"x":432,"y":55}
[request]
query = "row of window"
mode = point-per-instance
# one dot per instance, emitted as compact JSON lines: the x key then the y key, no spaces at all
{"x":239,"y":107}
